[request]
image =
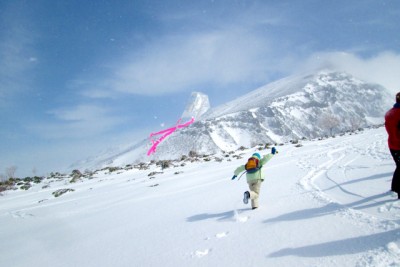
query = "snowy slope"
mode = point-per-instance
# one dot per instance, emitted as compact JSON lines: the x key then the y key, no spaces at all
{"x":113,"y":156}
{"x":263,"y":96}
{"x":325,"y":203}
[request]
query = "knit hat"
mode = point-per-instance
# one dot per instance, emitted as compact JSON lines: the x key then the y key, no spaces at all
{"x":256,"y":155}
{"x":398,"y":97}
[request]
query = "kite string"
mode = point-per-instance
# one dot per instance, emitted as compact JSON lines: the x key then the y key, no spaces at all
{"x":172,"y":129}
{"x":166,"y":133}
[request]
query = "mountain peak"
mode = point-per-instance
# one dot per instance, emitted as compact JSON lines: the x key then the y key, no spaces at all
{"x":197,"y":105}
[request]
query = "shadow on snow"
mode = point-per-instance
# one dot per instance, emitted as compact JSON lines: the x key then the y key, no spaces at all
{"x":341,"y":247}
{"x":223,"y":216}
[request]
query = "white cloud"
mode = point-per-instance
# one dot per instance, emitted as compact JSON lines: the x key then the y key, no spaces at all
{"x":16,"y":49}
{"x":219,"y":51}
{"x":382,"y":68}
{"x":178,"y":63}
{"x":79,"y":113}
{"x":99,"y":93}
{"x":80,"y":121}
{"x":250,"y":46}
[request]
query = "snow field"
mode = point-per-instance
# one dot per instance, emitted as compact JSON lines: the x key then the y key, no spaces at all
{"x":323,"y":204}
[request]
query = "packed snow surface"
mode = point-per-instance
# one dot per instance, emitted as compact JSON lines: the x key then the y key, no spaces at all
{"x":326,"y":203}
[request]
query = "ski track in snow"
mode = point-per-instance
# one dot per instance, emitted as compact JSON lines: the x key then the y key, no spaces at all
{"x":388,"y":256}
{"x":334,"y":156}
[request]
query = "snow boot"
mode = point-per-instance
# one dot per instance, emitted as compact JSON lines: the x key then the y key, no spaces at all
{"x":246,"y":197}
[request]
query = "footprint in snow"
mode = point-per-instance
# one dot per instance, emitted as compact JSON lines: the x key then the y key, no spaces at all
{"x":201,"y":253}
{"x":21,"y":214}
{"x":221,"y":235}
{"x":240,"y":218}
{"x":393,"y":248}
{"x":390,"y":207}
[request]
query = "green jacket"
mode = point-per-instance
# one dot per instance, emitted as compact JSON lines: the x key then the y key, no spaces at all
{"x":258,"y":175}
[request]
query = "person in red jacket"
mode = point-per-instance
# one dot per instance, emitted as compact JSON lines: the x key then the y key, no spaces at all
{"x":392,"y":125}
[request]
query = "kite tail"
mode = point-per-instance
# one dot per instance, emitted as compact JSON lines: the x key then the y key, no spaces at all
{"x":166,"y":133}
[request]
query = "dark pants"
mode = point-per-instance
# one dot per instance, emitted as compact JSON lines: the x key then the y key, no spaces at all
{"x":396,"y":174}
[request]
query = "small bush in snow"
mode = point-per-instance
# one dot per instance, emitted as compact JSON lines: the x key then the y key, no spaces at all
{"x":3,"y":188}
{"x":62,"y":192}
{"x":218,"y":159}
{"x":76,"y":173}
{"x":141,"y":166}
{"x":113,"y":169}
{"x":154,"y":173}
{"x":164,"y":164}
{"x":75,"y":179}
{"x":25,"y":186}
{"x":193,"y":154}
{"x":37,"y":179}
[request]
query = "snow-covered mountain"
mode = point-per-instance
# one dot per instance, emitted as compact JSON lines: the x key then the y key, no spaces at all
{"x":303,"y":106}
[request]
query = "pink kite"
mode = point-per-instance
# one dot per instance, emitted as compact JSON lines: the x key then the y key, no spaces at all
{"x":165,"y":133}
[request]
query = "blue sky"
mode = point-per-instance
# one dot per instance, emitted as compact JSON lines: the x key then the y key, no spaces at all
{"x":77,"y":77}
